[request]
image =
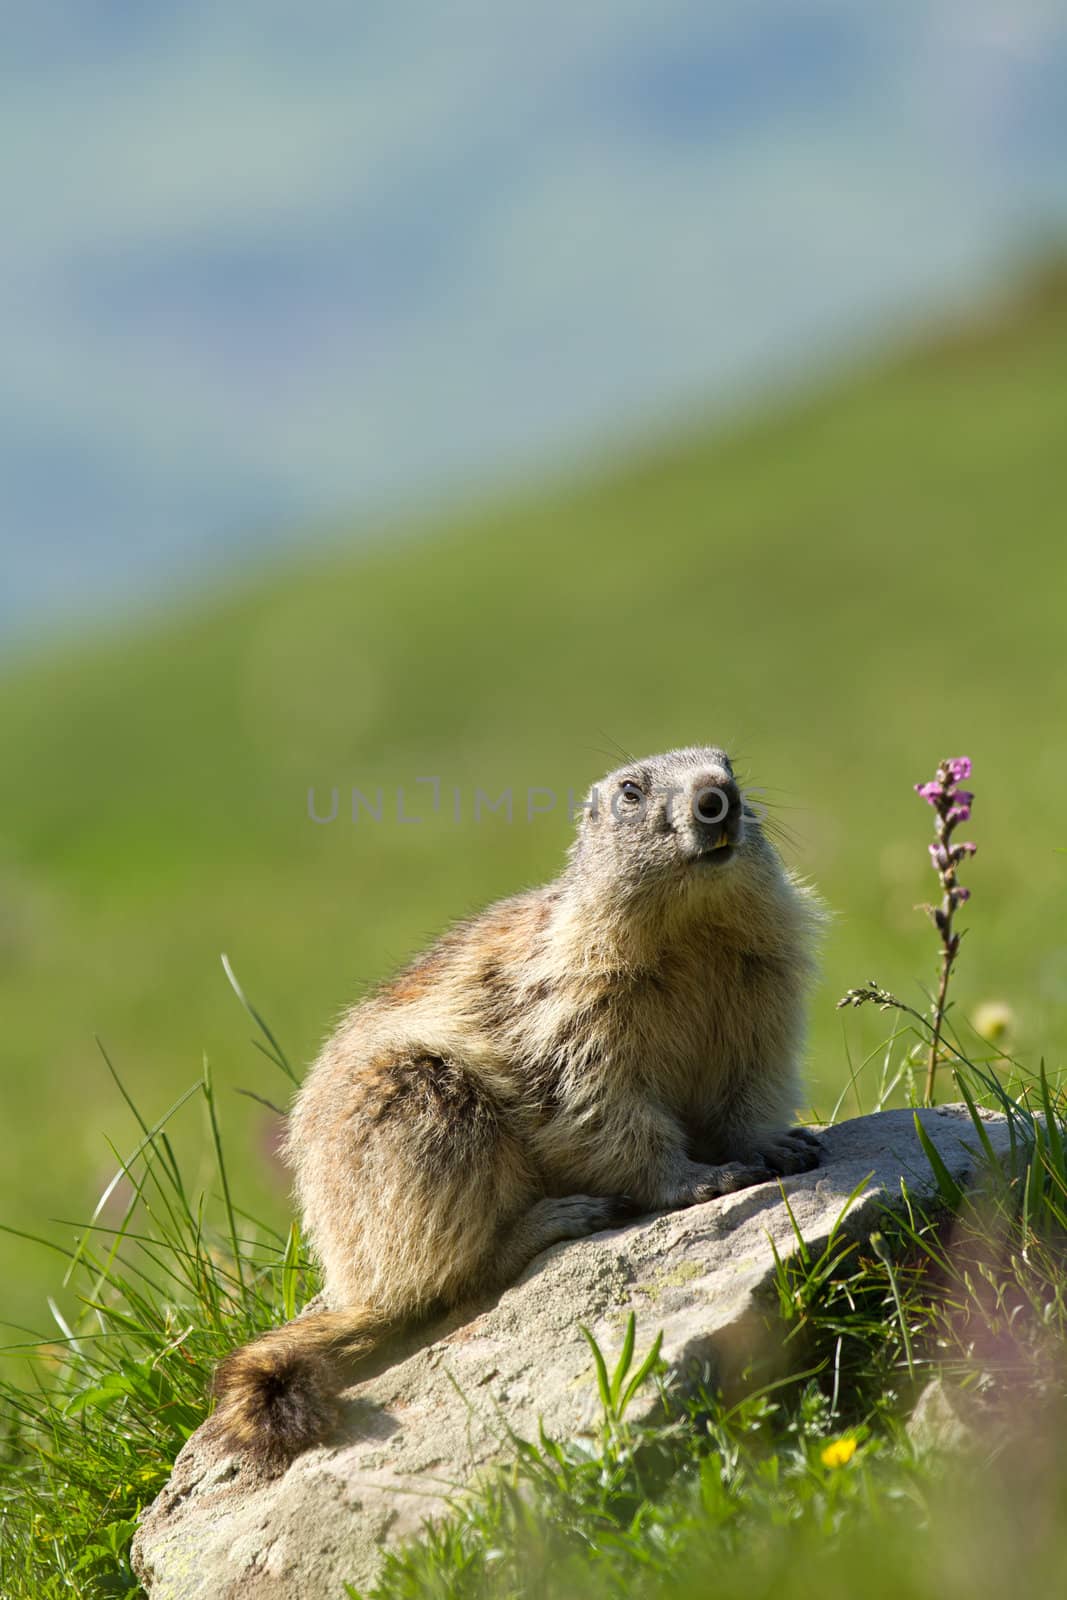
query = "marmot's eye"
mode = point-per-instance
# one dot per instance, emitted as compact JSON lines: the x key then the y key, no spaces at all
{"x":632,"y":795}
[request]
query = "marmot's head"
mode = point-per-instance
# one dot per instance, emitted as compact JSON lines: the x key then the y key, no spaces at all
{"x":675,"y":825}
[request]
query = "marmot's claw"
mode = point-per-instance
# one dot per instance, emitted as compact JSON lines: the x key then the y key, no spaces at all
{"x":713,"y":1182}
{"x":734,"y":1175}
{"x":806,"y":1136}
{"x":795,"y":1150}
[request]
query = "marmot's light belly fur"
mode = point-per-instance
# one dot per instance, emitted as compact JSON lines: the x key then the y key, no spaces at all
{"x":627,"y":1037}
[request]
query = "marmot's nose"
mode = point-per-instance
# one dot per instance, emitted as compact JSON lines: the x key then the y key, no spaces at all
{"x":714,"y":799}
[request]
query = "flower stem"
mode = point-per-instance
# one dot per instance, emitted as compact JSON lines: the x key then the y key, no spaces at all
{"x":951,"y":806}
{"x":948,"y":955}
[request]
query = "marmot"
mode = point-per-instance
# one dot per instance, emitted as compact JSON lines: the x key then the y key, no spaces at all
{"x":624,"y":1039}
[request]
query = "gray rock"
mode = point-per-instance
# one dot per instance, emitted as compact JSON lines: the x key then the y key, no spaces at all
{"x":950,"y":1420}
{"x":439,"y":1405}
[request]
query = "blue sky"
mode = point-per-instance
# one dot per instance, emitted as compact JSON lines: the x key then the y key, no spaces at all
{"x":268,"y":264}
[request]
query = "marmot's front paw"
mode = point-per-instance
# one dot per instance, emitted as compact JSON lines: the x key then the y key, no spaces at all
{"x":573,"y":1216}
{"x":703,"y":1183}
{"x":793,"y":1150}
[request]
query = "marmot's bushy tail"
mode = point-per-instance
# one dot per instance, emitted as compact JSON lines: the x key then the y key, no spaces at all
{"x":278,"y":1395}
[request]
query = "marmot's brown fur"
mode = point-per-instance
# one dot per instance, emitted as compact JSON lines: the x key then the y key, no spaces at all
{"x":626,"y":1037}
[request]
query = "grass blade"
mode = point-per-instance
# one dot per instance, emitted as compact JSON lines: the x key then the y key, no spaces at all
{"x":220,"y":1162}
{"x":626,"y":1355}
{"x":948,"y":1188}
{"x":602,"y":1381}
{"x":642,"y":1373}
{"x":275,"y":1053}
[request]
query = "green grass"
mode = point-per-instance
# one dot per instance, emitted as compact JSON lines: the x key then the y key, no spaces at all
{"x":813,"y":1484}
{"x":809,"y":1475}
{"x":165,"y":1286}
{"x":842,"y":590}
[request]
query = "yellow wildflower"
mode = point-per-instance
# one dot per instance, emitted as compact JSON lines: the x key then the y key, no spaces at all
{"x":838,"y":1452}
{"x":993,"y":1019}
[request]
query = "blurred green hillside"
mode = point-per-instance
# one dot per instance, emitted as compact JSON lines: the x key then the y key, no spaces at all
{"x":841,"y":591}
